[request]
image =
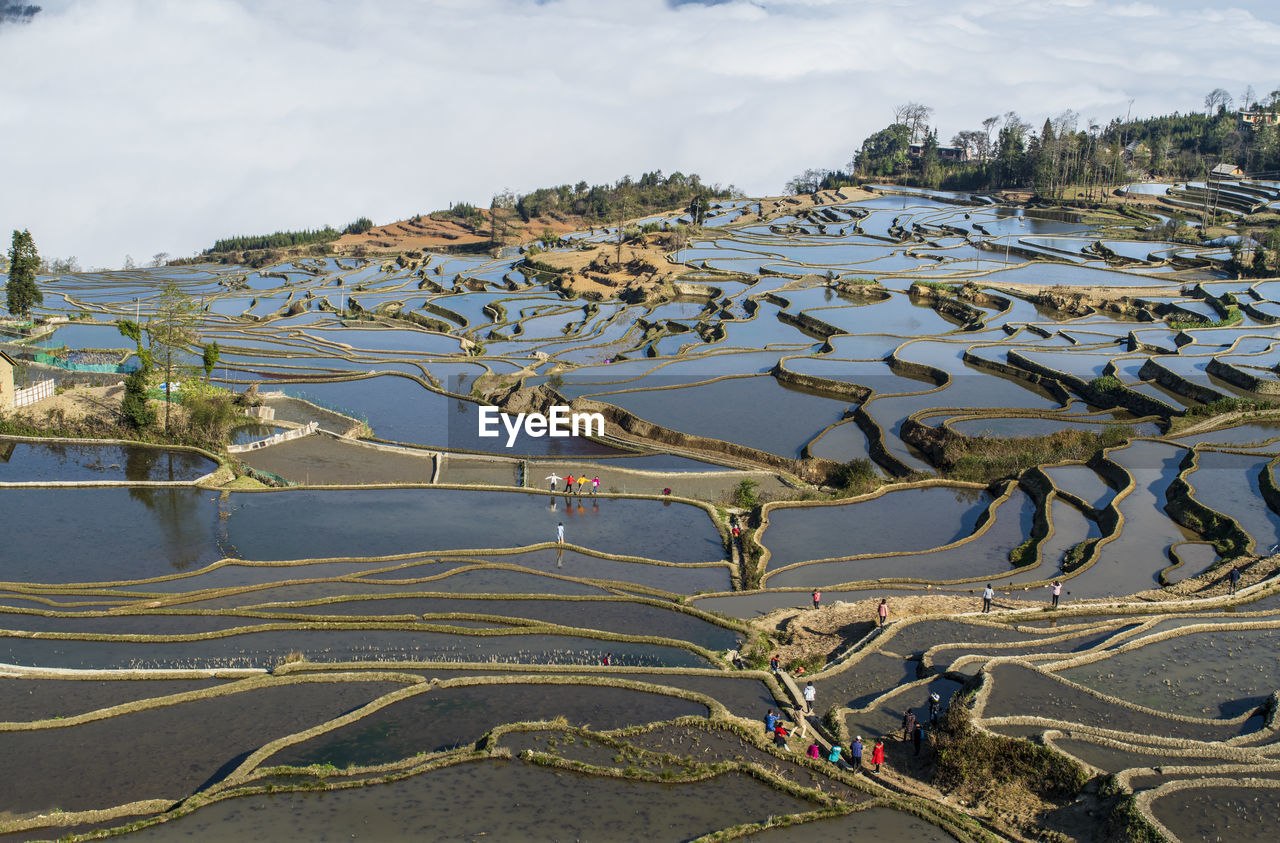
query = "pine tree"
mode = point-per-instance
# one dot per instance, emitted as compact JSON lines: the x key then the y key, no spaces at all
{"x":23,"y":294}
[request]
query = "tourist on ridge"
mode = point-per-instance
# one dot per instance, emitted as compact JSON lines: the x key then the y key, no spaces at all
{"x":987,"y":594}
{"x":810,"y":693}
{"x":908,"y":725}
{"x":917,"y":735}
{"x":935,"y":708}
{"x":607,"y":660}
{"x":834,"y":755}
{"x":1057,"y":592}
{"x":595,"y":484}
{"x":568,"y":484}
{"x":780,"y":736}
{"x":855,"y":752}
{"x":815,"y":751}
{"x":1234,"y":576}
{"x":817,"y":598}
{"x":774,"y":664}
{"x":560,"y":533}
{"x":770,"y":721}
{"x":883,"y":610}
{"x":877,"y":753}
{"x":553,"y":478}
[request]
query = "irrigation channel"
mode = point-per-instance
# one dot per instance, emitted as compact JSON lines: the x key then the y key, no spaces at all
{"x":395,"y":644}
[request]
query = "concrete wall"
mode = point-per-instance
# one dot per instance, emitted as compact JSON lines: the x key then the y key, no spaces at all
{"x":6,"y":385}
{"x":37,"y":392}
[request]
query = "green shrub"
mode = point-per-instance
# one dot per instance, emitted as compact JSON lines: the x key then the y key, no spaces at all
{"x":744,"y":495}
{"x":137,"y":413}
{"x":970,"y":760}
{"x":856,"y":477}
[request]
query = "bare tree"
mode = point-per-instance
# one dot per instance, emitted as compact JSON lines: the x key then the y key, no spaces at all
{"x":172,"y":331}
{"x":1248,"y":98}
{"x":1217,"y":99}
{"x":988,"y":125}
{"x":973,"y":142}
{"x":159,"y":259}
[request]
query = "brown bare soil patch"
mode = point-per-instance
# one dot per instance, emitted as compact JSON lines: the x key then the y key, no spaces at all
{"x":441,"y":230}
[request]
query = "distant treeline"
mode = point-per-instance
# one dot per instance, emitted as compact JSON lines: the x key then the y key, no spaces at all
{"x":626,"y":198}
{"x":17,"y":12}
{"x":286,"y":239}
{"x":599,"y":203}
{"x":1007,"y":152}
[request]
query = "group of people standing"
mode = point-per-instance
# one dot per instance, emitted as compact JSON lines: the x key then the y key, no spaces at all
{"x":569,"y":480}
{"x":913,"y":731}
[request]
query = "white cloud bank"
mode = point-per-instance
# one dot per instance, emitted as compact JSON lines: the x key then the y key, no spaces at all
{"x":138,"y":126}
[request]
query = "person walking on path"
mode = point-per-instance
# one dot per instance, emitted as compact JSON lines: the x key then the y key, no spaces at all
{"x":814,"y":751}
{"x":810,"y":694}
{"x":568,"y":484}
{"x":877,"y":753}
{"x":1234,"y":576}
{"x":817,"y":598}
{"x":883,"y":610}
{"x":987,"y":594}
{"x":774,"y":664}
{"x":554,"y":478}
{"x":770,"y":721}
{"x":834,"y":755}
{"x":560,"y":533}
{"x":595,"y":484}
{"x":935,"y":708}
{"x":908,"y":725}
{"x":1057,"y":592}
{"x":855,"y":752}
{"x":917,"y":735}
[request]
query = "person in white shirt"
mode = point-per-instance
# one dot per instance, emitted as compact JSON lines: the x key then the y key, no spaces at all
{"x":987,"y":594}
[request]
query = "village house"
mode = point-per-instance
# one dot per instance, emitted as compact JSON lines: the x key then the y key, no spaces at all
{"x":945,"y":153}
{"x":1259,"y":117}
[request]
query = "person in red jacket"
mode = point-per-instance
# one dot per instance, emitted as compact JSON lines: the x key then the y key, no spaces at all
{"x":877,"y":754}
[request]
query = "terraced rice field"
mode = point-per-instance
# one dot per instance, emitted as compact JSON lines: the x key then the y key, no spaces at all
{"x":316,"y":660}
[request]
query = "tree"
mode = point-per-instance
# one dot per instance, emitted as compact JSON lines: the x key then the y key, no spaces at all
{"x":137,"y":413}
{"x":975,"y":144}
{"x":129,"y":263}
{"x":24,"y":260}
{"x":171,"y":332}
{"x":1216,"y":101}
{"x":883,"y":152}
{"x":810,"y":181}
{"x":915,"y":117}
{"x":210,"y":356}
{"x":159,"y":259}
{"x":930,"y":163}
{"x":698,"y":209}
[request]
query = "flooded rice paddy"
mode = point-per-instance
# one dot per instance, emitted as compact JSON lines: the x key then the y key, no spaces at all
{"x":342,"y":662}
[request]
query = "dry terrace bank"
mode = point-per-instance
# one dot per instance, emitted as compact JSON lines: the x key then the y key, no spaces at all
{"x":561,"y":421}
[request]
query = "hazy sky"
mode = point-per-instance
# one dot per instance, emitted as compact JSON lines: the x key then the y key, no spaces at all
{"x":139,"y":126}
